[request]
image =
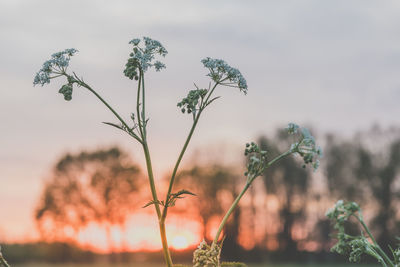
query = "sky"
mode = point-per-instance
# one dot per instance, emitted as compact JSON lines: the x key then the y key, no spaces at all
{"x":332,"y":65}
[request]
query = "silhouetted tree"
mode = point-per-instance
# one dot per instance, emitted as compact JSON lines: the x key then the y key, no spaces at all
{"x":97,"y":186}
{"x":289,"y":182}
{"x":207,"y":182}
{"x":341,"y":160}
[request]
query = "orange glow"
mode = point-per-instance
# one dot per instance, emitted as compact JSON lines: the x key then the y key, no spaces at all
{"x":272,"y":243}
{"x":180,"y":242}
{"x":299,"y":232}
{"x":141,"y":233}
{"x":212,"y":226}
{"x":310,"y":246}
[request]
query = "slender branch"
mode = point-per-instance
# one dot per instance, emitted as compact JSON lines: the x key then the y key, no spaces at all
{"x":229,"y":212}
{"x":236,"y":201}
{"x":3,"y":260}
{"x":175,"y":170}
{"x":172,"y":180}
{"x":210,"y":93}
{"x":142,"y":129}
{"x":138,"y":107}
{"x":144,"y":111}
{"x":376,"y":245}
{"x":131,"y":133}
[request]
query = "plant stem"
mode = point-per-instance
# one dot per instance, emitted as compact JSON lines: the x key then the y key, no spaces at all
{"x":376,"y":245}
{"x":143,"y":109}
{"x":172,"y":180}
{"x":228,"y":213}
{"x":236,"y":201}
{"x":167,"y":254}
{"x":3,"y":260}
{"x":142,"y":128}
{"x":183,"y":150}
{"x":83,"y":84}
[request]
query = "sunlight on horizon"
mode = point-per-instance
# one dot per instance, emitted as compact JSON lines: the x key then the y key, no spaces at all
{"x":141,"y":233}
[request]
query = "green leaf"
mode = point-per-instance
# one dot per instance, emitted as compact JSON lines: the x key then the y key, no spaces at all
{"x":153,"y":202}
{"x":115,"y":125}
{"x":174,"y":196}
{"x":212,"y":100}
{"x":183,"y":192}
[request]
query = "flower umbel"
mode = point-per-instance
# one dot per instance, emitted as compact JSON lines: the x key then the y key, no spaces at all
{"x":222,"y":73}
{"x":257,"y":160}
{"x":57,"y":66}
{"x":292,"y":128}
{"x":306,"y":147}
{"x":141,"y":58}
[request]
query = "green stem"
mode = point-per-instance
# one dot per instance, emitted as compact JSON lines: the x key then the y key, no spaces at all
{"x":151,"y":178}
{"x":183,"y":150}
{"x":376,"y":245}
{"x":229,"y":212}
{"x":142,"y":128}
{"x":83,"y":84}
{"x":143,"y":110}
{"x":173,"y":176}
{"x":236,"y":202}
{"x":167,"y":255}
{"x":3,"y":260}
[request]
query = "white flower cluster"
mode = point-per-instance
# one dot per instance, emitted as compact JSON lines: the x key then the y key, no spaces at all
{"x":220,"y":72}
{"x":306,"y":147}
{"x":141,"y":58}
{"x":206,"y":255}
{"x":57,"y":65}
{"x":292,"y":128}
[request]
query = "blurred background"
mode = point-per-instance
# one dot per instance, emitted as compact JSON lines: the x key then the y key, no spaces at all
{"x":72,"y":188}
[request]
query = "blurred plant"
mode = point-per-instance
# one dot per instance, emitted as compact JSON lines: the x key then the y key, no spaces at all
{"x":364,"y":243}
{"x":141,"y":59}
{"x":258,"y":162}
{"x":3,"y":261}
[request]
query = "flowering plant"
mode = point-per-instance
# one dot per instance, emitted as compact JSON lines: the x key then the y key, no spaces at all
{"x":364,"y":243}
{"x":141,"y":59}
{"x":3,"y":261}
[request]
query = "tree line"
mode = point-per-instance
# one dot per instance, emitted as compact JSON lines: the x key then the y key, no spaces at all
{"x":283,"y":215}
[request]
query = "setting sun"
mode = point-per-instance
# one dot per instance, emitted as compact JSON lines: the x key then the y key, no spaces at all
{"x":180,"y":242}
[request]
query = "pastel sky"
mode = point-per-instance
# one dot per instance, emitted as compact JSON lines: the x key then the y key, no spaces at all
{"x":333,"y":65}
